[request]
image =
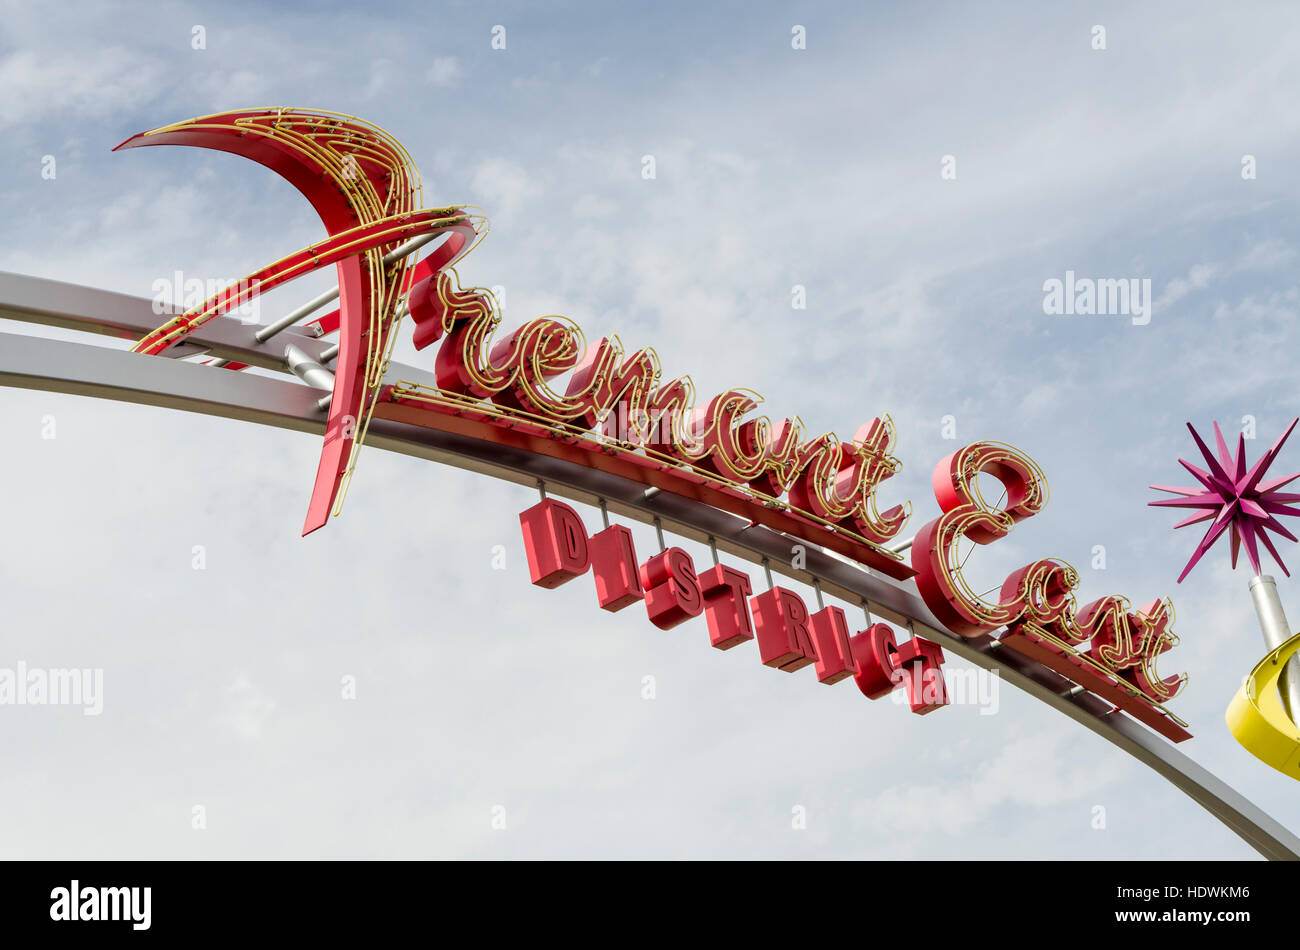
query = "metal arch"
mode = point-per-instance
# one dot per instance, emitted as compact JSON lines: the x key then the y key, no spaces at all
{"x":36,"y":363}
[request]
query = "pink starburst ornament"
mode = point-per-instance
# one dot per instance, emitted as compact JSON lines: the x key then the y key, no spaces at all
{"x":1234,"y":500}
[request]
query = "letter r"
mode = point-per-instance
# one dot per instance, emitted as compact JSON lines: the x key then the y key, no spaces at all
{"x":781,"y":625}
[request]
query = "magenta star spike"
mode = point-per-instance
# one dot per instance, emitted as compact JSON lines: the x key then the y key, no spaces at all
{"x":1234,"y":499}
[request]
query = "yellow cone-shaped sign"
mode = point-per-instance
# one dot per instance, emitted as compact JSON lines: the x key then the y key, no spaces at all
{"x":1257,"y":718}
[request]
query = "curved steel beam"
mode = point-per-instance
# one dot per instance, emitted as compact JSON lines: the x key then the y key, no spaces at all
{"x":40,"y":364}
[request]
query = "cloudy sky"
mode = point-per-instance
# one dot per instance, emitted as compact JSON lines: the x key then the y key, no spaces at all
{"x":480,"y":697}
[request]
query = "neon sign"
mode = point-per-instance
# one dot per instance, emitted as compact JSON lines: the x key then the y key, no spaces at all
{"x":1036,"y":603}
{"x":540,"y":388}
{"x":788,"y":635}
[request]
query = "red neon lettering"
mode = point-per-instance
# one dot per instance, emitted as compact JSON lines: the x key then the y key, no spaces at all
{"x":967,"y":514}
{"x":726,"y":606}
{"x":874,"y":653}
{"x":781,"y":625}
{"x":614,"y":568}
{"x":926,"y":689}
{"x":672,"y":591}
{"x":555,"y":542}
{"x":830,"y":635}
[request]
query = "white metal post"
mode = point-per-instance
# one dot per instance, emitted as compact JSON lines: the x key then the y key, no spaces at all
{"x":1272,"y":621}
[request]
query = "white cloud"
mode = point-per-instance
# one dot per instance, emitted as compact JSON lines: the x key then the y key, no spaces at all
{"x":94,"y":85}
{"x":444,"y":72}
{"x":475,"y":688}
{"x":1198,"y":278}
{"x":247,"y":708}
{"x":593,"y":206}
{"x":503,"y":186}
{"x":1027,"y":773}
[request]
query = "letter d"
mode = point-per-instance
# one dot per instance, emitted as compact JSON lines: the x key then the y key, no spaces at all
{"x":555,"y":541}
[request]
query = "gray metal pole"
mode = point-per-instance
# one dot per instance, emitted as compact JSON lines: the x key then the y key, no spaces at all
{"x":329,"y":296}
{"x":289,"y":319}
{"x":1272,"y":621}
{"x":900,"y":546}
{"x":308,"y":370}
